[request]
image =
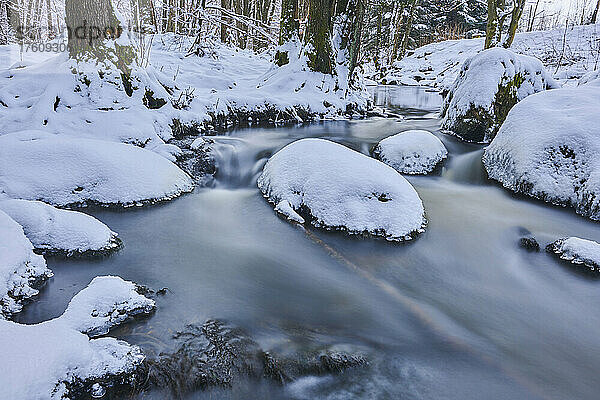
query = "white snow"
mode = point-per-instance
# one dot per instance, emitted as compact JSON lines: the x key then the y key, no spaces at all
{"x":41,"y":360}
{"x":20,"y":267}
{"x":438,"y":64}
{"x":60,"y":231}
{"x":64,"y":171}
{"x":549,"y":148}
{"x":578,"y":251}
{"x":342,"y":189}
{"x":411,"y":152}
{"x":478,"y":84}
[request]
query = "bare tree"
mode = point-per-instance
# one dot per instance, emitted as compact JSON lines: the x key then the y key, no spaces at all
{"x":595,"y":14}
{"x":498,"y":12}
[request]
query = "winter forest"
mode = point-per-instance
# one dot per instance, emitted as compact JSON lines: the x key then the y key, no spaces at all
{"x":299,"y":199}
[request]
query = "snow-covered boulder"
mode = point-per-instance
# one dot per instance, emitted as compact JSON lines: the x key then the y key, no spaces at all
{"x":488,"y":86}
{"x":578,"y":251}
{"x":21,"y":270}
{"x":338,"y":188}
{"x":57,"y":360}
{"x":549,"y":148}
{"x":61,"y":232}
{"x":411,"y":152}
{"x":66,"y":171}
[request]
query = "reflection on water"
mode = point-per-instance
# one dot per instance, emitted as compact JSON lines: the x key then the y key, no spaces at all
{"x":460,"y":313}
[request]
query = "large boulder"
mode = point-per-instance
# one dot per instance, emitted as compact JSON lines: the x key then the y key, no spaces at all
{"x":549,"y":148}
{"x":66,"y":171}
{"x":335,"y":187}
{"x":489,"y":85}
{"x":411,"y":152}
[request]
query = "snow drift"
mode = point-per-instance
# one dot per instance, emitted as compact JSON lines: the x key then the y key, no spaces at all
{"x":65,"y":171}
{"x":549,"y":148}
{"x":55,"y":360}
{"x":488,"y":86}
{"x":338,"y":188}
{"x":21,"y":270}
{"x":411,"y":152}
{"x":61,"y":232}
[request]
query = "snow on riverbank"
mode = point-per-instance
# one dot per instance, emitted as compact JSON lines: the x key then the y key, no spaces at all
{"x":438,"y":64}
{"x":549,"y":148}
{"x":21,"y":270}
{"x":411,"y":152}
{"x":65,"y":171}
{"x":62,"y":232}
{"x":339,"y":188}
{"x":56,"y":359}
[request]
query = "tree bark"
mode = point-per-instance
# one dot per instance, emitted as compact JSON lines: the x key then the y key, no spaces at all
{"x":408,"y":28}
{"x":595,"y":14}
{"x":4,"y":22}
{"x":318,"y":36}
{"x":517,"y":12}
{"x":289,"y":29}
{"x":493,"y":31}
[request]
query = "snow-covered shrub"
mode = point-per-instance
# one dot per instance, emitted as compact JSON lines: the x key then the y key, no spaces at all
{"x":549,"y":148}
{"x":57,"y":360}
{"x":488,"y":86}
{"x":338,"y":188}
{"x":61,"y":232}
{"x":65,"y":171}
{"x":411,"y":152}
{"x":577,"y":251}
{"x":21,"y":270}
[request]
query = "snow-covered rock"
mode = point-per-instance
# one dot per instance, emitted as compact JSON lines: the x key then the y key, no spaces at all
{"x":57,"y":360}
{"x":411,"y":152}
{"x":61,"y":232}
{"x":21,"y":270}
{"x":66,"y":171}
{"x":488,"y":86}
{"x":338,"y":188}
{"x":549,"y":148}
{"x":578,"y":251}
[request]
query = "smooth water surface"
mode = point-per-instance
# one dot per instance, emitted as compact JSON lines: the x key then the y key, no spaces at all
{"x":460,"y":313}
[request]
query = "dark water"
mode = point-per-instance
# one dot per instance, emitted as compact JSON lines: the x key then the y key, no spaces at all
{"x":460,"y":313}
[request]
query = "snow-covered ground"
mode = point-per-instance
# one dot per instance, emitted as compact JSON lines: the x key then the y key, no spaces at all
{"x":411,"y":152}
{"x":57,"y":358}
{"x":339,"y":188}
{"x":578,"y":251}
{"x":549,"y":148}
{"x":55,"y":231}
{"x":438,"y":64}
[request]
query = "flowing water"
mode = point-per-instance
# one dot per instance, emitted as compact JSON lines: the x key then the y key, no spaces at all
{"x":460,"y":313}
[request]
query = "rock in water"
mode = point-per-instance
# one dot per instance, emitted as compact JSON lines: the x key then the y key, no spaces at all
{"x":411,"y":152}
{"x":578,"y":251}
{"x":549,"y":148}
{"x":338,"y":188}
{"x":489,"y":85}
{"x":61,"y":232}
{"x":66,"y":171}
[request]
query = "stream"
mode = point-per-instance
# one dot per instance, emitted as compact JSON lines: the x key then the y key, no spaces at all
{"x":462,"y":312}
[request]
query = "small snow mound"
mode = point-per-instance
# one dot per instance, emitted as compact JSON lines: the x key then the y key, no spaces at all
{"x":549,"y":148}
{"x":578,"y":251}
{"x":489,"y":85}
{"x":338,"y":188}
{"x":411,"y":152}
{"x":20,"y":268}
{"x":61,"y":232}
{"x":65,"y":171}
{"x":106,"y":302}
{"x":57,"y":360}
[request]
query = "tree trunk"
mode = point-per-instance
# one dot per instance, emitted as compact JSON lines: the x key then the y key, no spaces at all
{"x":225,"y":4}
{"x":288,"y":31}
{"x":4,"y":22}
{"x":493,"y":32}
{"x":517,"y":12}
{"x":595,"y":14}
{"x":90,"y":23}
{"x":408,"y":28}
{"x":318,"y":36}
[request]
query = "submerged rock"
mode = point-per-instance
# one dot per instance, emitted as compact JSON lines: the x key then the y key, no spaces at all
{"x":61,"y":232}
{"x":336,"y":188}
{"x":67,"y":171}
{"x":490,"y":83}
{"x":529,"y":243}
{"x":577,"y":251}
{"x":57,"y":360}
{"x":549,"y":148}
{"x":411,"y":152}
